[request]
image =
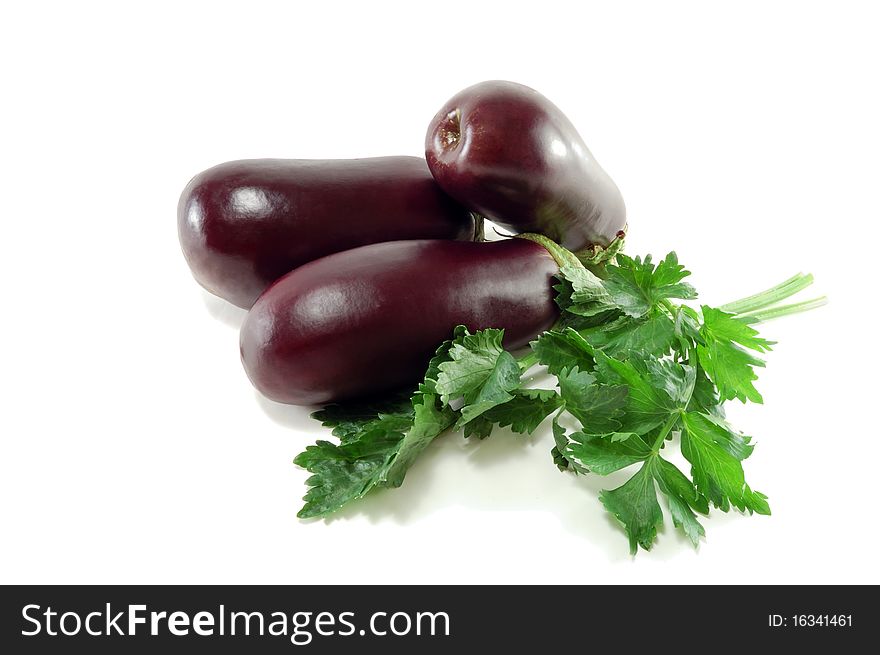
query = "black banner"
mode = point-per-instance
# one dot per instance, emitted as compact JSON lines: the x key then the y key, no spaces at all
{"x":333,"y":619}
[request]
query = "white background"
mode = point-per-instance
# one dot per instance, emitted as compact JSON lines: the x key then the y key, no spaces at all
{"x":744,"y":136}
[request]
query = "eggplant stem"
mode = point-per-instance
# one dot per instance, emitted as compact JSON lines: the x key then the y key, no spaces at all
{"x":561,"y":255}
{"x":600,"y":255}
{"x":479,"y":227}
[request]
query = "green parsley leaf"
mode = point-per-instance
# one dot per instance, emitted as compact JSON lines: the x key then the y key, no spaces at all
{"x":637,"y":286}
{"x":734,"y":442}
{"x":470,"y":361}
{"x":715,"y":454}
{"x":378,"y":442}
{"x":429,"y":384}
{"x":559,"y":459}
{"x":479,"y":427}
{"x":682,"y":498}
{"x":705,"y":397}
{"x":676,"y":380}
{"x":655,"y":389}
{"x":526,"y":411}
{"x":582,"y":292}
{"x":652,"y":335}
{"x":496,"y":390}
{"x":595,"y":406}
{"x":380,"y":456}
{"x":687,"y":329}
{"x":480,"y":371}
{"x":727,"y":364}
{"x":342,"y":473}
{"x":721,"y":326}
{"x":428,"y":421}
{"x":608,"y":453}
{"x":560,"y":440}
{"x":349,"y":421}
{"x":560,"y":450}
{"x":561,"y":350}
{"x":635,"y":505}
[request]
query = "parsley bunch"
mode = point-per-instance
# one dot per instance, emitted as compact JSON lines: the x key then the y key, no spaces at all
{"x":637,"y":372}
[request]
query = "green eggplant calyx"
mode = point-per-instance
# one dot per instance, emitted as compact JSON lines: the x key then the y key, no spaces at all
{"x":479,"y":227}
{"x":598,"y":255}
{"x":563,"y":256}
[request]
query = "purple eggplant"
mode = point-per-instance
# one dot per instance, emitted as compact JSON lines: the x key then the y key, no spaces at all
{"x":505,"y":151}
{"x":367,"y":320}
{"x":244,"y":224}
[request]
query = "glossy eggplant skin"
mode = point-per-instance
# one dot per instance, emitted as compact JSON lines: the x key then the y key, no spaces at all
{"x":361,"y":322}
{"x":505,"y":151}
{"x":244,"y":224}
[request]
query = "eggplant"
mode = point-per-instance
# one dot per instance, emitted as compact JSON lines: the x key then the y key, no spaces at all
{"x":367,"y":320}
{"x":244,"y":224}
{"x":505,"y":151}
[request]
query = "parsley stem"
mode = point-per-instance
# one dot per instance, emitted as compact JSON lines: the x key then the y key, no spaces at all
{"x":672,"y":309}
{"x":527,"y":361}
{"x":667,"y":427}
{"x":784,"y":310}
{"x":769,"y":297}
